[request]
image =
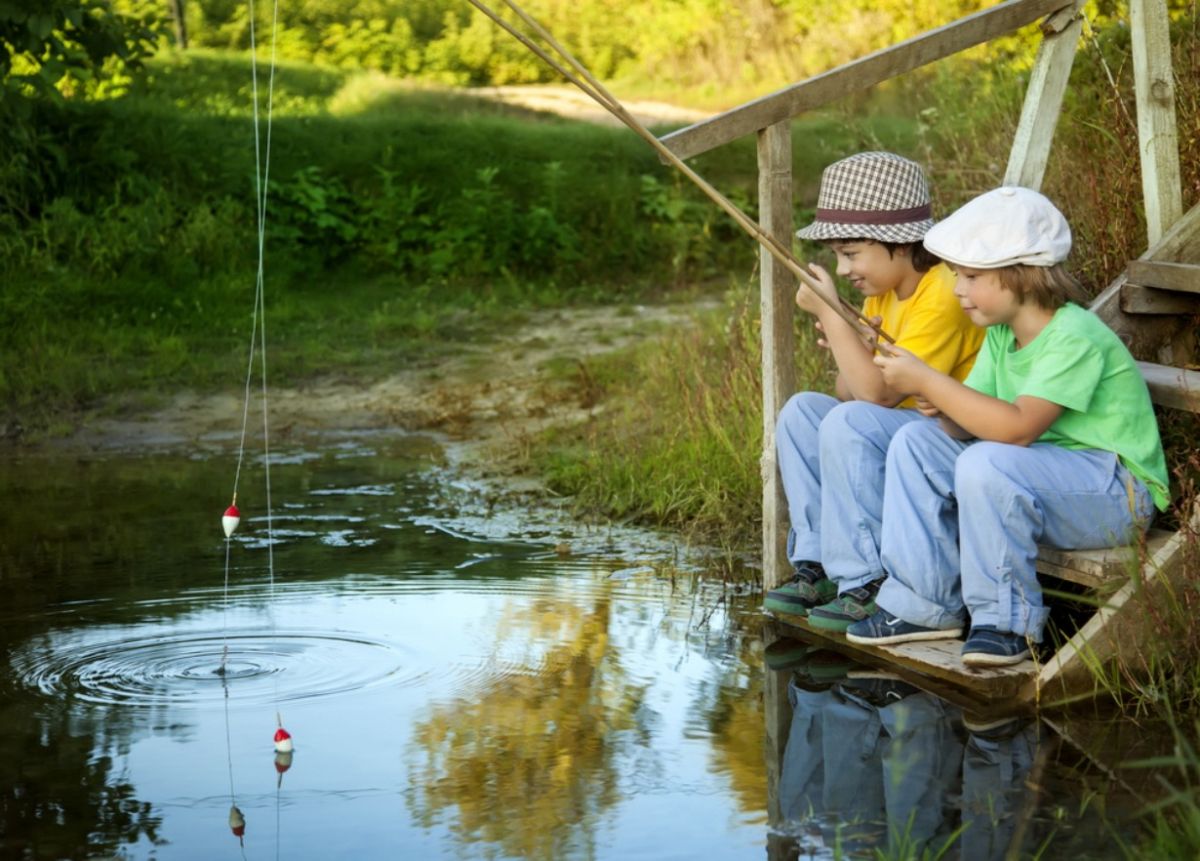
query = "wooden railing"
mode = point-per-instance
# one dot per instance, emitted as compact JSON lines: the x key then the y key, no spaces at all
{"x":859,"y":75}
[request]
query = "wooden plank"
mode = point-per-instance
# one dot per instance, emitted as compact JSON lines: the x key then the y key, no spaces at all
{"x":860,"y":74}
{"x":778,"y":343}
{"x":1158,"y":137}
{"x":1178,"y":388}
{"x":1179,"y":277}
{"x":1153,"y":337}
{"x":936,"y":659}
{"x":1043,"y":101}
{"x":1116,"y":628}
{"x":1149,"y":300}
{"x":1094,"y":568}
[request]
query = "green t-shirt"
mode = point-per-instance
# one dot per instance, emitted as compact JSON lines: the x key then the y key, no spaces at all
{"x":1080,"y":364}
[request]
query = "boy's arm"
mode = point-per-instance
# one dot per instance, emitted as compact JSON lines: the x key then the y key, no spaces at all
{"x":1019,"y":423}
{"x":858,"y":378}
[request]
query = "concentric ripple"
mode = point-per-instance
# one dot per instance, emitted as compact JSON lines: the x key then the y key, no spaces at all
{"x":198,"y":669}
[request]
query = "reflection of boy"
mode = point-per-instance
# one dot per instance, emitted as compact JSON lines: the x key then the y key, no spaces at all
{"x":1052,"y":440}
{"x":872,"y":210}
{"x":868,"y":754}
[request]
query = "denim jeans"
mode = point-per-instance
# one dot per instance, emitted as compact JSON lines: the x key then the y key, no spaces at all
{"x":962,"y":522}
{"x":831,"y":458}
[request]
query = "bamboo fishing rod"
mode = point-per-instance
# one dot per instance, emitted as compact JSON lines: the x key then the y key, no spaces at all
{"x":596,"y":91}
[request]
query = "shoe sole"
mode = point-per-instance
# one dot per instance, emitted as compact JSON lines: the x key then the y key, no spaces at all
{"x":947,"y":634}
{"x":824,"y":623}
{"x":983,"y":659}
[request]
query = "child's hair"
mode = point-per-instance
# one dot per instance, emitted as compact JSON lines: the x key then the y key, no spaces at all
{"x":1048,"y":287}
{"x":922,"y":258}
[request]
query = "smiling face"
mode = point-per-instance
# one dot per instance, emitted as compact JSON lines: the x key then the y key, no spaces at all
{"x":983,"y":298}
{"x":872,"y":270}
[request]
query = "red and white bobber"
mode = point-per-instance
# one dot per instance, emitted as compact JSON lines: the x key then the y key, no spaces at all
{"x":230,"y":520}
{"x":283,"y":741}
{"x":237,"y":822}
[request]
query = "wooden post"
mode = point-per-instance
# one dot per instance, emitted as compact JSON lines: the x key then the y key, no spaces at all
{"x":1158,"y":138}
{"x":778,"y":345}
{"x":1043,"y":98}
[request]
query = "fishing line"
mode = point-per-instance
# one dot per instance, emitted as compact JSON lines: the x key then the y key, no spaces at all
{"x":258,"y":343}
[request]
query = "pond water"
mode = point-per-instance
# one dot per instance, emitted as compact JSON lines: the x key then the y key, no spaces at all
{"x":461,"y":680}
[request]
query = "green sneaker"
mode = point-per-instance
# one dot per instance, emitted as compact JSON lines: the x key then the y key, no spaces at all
{"x":851,"y":606}
{"x":809,"y":587}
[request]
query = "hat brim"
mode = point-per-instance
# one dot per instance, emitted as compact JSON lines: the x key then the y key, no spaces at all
{"x":912,"y":231}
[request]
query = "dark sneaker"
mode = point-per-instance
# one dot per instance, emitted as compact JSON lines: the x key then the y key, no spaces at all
{"x":992,"y":728}
{"x":987,"y":647}
{"x":879,"y":689}
{"x":808,"y":587}
{"x":851,"y":606}
{"x":884,"y":629}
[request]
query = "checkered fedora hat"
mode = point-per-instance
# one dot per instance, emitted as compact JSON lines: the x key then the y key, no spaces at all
{"x":872,"y":195}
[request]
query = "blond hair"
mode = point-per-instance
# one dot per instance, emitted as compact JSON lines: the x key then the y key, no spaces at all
{"x":1048,"y":287}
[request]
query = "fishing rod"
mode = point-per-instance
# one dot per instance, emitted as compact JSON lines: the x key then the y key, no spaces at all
{"x":585,"y":81}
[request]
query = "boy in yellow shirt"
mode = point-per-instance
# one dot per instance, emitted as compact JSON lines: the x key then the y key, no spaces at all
{"x":872,"y":210}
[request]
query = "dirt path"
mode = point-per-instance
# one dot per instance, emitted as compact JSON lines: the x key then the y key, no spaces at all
{"x":483,"y":402}
{"x":571,"y":102}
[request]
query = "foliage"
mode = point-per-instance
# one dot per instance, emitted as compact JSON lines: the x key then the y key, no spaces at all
{"x":61,"y":44}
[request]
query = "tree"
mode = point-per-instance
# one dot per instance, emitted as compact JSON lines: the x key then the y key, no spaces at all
{"x":43,"y":42}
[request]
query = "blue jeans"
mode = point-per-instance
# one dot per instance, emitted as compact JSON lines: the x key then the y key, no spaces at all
{"x":962,"y":522}
{"x":831,"y":458}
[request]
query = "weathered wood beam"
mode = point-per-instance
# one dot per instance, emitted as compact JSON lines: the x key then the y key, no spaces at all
{"x":1179,"y":277}
{"x":1136,"y":299}
{"x":1155,"y":338}
{"x":858,"y":75}
{"x":1158,"y":137}
{"x":778,"y":344}
{"x":1043,"y":98}
{"x":1178,"y":388}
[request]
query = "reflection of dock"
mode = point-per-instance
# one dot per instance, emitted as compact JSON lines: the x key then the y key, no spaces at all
{"x":860,"y":761}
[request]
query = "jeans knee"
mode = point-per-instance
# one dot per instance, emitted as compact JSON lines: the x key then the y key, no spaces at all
{"x":803,"y":412}
{"x":978,"y":472}
{"x":847,"y":421}
{"x":912,"y":440}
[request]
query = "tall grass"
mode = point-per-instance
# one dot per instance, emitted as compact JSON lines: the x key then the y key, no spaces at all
{"x":680,"y":445}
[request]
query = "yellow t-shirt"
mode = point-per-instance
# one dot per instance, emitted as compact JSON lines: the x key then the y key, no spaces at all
{"x":931,"y":324}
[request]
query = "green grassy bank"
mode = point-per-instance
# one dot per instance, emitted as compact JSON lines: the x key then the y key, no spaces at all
{"x":397,"y":218}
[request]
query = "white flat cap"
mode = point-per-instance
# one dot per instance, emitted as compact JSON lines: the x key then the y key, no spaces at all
{"x":1003,"y":227}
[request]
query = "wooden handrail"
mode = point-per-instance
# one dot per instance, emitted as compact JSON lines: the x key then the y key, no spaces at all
{"x":858,"y":74}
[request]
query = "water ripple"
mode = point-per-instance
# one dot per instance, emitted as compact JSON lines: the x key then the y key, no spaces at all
{"x":186,"y":669}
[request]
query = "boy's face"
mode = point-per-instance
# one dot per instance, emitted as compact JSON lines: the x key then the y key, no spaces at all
{"x":869,"y":268}
{"x":982,"y":298}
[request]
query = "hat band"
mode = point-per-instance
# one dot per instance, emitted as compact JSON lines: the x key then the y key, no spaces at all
{"x":875,"y":216}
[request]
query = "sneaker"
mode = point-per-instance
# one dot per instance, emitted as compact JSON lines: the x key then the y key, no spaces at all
{"x":884,"y":629}
{"x":988,"y":647}
{"x":851,"y":606}
{"x":880,"y":689}
{"x":992,"y":728}
{"x":808,"y":587}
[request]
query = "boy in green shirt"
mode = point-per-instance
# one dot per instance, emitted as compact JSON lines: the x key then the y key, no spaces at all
{"x":1050,"y":440}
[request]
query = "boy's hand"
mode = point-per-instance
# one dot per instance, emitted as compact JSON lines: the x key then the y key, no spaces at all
{"x":902,"y":370}
{"x":807,"y":298}
{"x":926,"y":409}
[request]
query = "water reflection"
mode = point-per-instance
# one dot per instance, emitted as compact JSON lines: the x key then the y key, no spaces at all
{"x":864,"y":764}
{"x":459,"y":685}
